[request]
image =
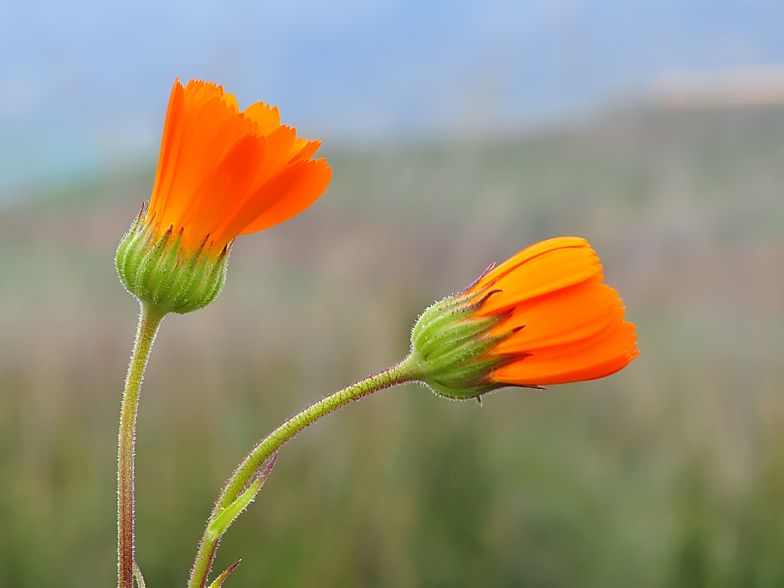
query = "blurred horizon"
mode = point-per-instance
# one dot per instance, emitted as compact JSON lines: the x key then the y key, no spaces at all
{"x":84,"y":84}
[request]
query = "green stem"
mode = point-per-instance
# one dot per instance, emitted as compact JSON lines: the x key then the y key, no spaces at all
{"x":150,"y":319}
{"x":405,"y":371}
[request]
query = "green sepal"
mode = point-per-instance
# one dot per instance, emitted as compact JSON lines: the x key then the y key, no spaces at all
{"x":125,"y":243}
{"x":154,"y":267}
{"x":192,"y":272}
{"x":435,"y":313}
{"x":454,"y":335}
{"x":148,"y":274}
{"x":461,"y":356}
{"x":453,"y":346}
{"x":467,"y":392}
{"x":164,"y":269}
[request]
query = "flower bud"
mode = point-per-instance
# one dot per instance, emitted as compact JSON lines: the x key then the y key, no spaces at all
{"x":450,"y":343}
{"x":158,"y":270}
{"x":542,"y":317}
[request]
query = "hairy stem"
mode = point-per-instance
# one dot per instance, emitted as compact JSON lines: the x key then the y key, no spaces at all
{"x":150,"y":319}
{"x":405,"y":371}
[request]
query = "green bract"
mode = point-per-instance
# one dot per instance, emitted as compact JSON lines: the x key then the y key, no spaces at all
{"x":155,"y":268}
{"x":451,"y":346}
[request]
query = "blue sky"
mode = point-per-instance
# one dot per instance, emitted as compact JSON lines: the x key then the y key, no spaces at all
{"x":85,"y":83}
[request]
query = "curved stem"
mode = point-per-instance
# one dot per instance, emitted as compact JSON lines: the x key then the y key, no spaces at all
{"x":405,"y":371}
{"x":150,"y":319}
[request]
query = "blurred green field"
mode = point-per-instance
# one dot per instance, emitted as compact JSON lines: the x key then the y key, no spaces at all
{"x":668,"y":474}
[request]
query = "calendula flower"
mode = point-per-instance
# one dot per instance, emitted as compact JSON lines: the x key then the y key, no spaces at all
{"x":221,"y":173}
{"x":542,"y":317}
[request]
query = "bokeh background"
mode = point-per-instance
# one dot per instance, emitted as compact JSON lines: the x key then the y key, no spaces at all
{"x":459,"y":133}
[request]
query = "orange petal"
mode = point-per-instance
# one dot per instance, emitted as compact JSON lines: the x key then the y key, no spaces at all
{"x":172,"y":130}
{"x":312,"y":185}
{"x":219,"y":194}
{"x":565,"y":316}
{"x":267,"y":119}
{"x":220,"y":170}
{"x":594,"y":357}
{"x":279,"y":143}
{"x":304,"y":149}
{"x":213,"y":129}
{"x":539,"y":272}
{"x":528,"y":254}
{"x":294,"y":186}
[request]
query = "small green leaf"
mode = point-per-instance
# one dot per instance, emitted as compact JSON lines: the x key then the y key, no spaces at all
{"x":219,"y":580}
{"x":226,"y":517}
{"x":139,"y":578}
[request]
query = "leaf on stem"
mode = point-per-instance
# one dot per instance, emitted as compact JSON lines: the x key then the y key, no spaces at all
{"x":226,"y":517}
{"x":140,"y":579}
{"x":219,"y":580}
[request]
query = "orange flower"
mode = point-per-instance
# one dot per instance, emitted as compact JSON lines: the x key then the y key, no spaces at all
{"x":542,"y":317}
{"x":223,"y":173}
{"x":567,"y":325}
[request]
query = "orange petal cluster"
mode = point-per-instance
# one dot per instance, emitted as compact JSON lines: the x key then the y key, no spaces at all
{"x":569,"y":325}
{"x":224,"y":173}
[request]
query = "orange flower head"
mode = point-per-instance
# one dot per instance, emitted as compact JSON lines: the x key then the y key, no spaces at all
{"x":224,"y":173}
{"x":542,"y":317}
{"x":221,"y":173}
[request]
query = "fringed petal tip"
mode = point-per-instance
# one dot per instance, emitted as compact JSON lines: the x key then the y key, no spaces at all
{"x":224,"y":172}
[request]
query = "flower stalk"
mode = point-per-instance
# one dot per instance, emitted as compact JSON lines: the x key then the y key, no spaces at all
{"x":262,"y":456}
{"x":150,"y":319}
